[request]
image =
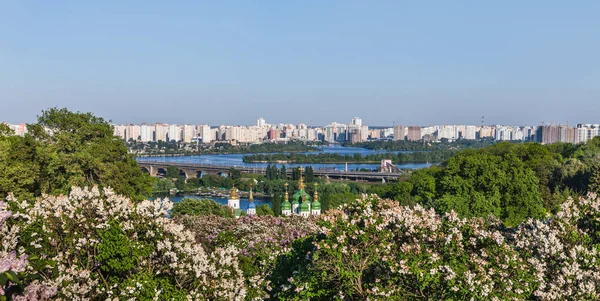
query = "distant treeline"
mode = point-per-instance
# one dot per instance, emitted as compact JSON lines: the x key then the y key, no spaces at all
{"x":402,"y":145}
{"x":428,"y":156}
{"x":182,"y":149}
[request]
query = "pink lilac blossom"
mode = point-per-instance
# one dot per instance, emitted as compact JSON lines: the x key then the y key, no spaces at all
{"x":74,"y":223}
{"x":11,"y":261}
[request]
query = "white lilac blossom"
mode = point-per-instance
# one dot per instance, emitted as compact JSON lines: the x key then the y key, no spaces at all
{"x":17,"y":263}
{"x":84,"y":231}
{"x":378,"y":250}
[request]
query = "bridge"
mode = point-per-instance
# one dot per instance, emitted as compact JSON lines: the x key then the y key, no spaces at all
{"x":192,"y":170}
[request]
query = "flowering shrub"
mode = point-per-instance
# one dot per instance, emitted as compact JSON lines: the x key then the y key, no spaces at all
{"x":107,"y":247}
{"x":16,"y":271}
{"x":376,"y":249}
{"x":260,"y":239}
{"x":564,"y":251}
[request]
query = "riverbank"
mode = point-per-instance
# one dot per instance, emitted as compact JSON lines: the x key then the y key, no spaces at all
{"x":193,"y":149}
{"x":188,"y":154}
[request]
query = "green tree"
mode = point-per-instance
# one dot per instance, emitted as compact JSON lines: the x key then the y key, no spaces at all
{"x":276,"y":202}
{"x":65,"y":149}
{"x":310,"y":177}
{"x":20,"y":169}
{"x":263,"y":210}
{"x":163,"y":185}
{"x":193,"y":206}
{"x":423,"y":185}
{"x":235,"y":174}
{"x":401,"y":192}
{"x":283,"y":173}
{"x":295,"y":174}
{"x":268,"y":173}
{"x":479,"y":184}
{"x":172,"y":172}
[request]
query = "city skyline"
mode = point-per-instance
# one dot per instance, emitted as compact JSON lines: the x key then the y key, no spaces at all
{"x":354,"y":132}
{"x":420,"y":63}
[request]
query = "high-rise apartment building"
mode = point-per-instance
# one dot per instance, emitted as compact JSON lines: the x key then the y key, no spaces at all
{"x":119,"y":130}
{"x":556,"y":133}
{"x":204,"y":132}
{"x":260,"y":122}
{"x":160,"y":132}
{"x":189,"y":132}
{"x":132,"y":132}
{"x":487,"y":132}
{"x":414,"y":133}
{"x":447,"y":132}
{"x":399,"y":133}
{"x":174,"y":132}
{"x":470,"y":132}
{"x":146,"y":133}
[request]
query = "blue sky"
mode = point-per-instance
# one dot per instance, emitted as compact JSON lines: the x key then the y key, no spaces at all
{"x":417,"y":62}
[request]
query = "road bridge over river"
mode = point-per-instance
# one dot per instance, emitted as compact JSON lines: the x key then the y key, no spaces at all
{"x":192,"y":170}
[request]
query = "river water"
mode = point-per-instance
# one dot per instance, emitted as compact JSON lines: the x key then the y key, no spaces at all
{"x":235,"y":160}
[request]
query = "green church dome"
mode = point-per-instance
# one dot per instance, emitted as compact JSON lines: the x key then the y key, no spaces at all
{"x":297,"y":197}
{"x":316,"y":205}
{"x":304,"y":207}
{"x":286,"y":206}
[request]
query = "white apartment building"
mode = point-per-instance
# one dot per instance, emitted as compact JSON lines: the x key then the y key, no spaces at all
{"x":448,"y":132}
{"x":174,"y":132}
{"x":203,"y":131}
{"x":146,"y":133}
{"x":119,"y":130}
{"x":189,"y":132}
{"x":132,"y":131}
{"x":470,"y":132}
{"x":160,"y":132}
{"x":356,"y":121}
{"x":261,"y":122}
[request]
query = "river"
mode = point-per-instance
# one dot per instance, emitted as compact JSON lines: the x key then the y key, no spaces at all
{"x":235,"y":160}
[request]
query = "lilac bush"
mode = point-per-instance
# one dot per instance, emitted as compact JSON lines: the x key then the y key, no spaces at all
{"x":15,"y":267}
{"x":260,"y":239}
{"x":564,"y":251}
{"x":376,"y":249}
{"x":107,"y":247}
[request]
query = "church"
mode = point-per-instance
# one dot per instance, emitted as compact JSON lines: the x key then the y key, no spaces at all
{"x":301,"y":202}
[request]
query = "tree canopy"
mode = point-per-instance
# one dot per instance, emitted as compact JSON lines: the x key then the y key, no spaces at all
{"x":65,"y":149}
{"x":193,"y":206}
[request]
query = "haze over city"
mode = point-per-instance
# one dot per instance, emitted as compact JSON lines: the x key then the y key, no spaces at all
{"x":307,"y":62}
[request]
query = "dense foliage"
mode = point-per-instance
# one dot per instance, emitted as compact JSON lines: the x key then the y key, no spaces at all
{"x":482,"y":184}
{"x":511,"y":181}
{"x":65,"y":149}
{"x":402,"y":145}
{"x":194,"y":206}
